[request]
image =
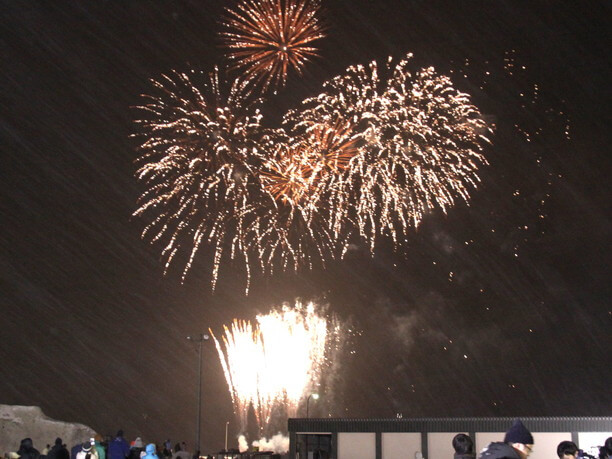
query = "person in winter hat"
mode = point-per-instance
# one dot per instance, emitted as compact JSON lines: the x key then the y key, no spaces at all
{"x":58,"y":451}
{"x":87,"y":451}
{"x":137,"y":443}
{"x":520,"y":439}
{"x":150,"y":452}
{"x":517,"y":444}
{"x":464,"y":447}
{"x":137,"y":449}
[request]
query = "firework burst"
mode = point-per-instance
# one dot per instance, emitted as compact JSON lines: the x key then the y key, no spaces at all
{"x":267,"y":38}
{"x":199,"y":159}
{"x":272,"y":365}
{"x":417,"y":144}
{"x":364,"y":160}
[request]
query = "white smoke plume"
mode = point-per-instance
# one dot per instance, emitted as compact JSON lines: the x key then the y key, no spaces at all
{"x":242,"y":444}
{"x":279,"y":444}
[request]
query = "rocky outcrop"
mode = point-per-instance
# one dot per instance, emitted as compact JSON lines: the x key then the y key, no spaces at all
{"x":18,"y":422}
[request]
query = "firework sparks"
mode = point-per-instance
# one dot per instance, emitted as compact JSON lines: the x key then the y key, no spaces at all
{"x":294,"y":174}
{"x":417,"y":144}
{"x":273,"y":364}
{"x":366,"y":159}
{"x":267,"y":38}
{"x":199,"y":158}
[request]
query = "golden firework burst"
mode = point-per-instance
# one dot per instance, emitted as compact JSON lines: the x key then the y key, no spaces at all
{"x":267,"y":38}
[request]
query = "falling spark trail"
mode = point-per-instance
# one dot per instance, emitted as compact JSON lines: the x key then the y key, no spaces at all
{"x":272,"y":365}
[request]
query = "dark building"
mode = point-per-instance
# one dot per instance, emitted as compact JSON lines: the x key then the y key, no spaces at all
{"x":431,"y":437}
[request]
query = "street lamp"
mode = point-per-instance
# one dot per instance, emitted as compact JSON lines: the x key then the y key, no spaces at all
{"x":199,"y":339}
{"x":226,"y":425}
{"x":315,"y":396}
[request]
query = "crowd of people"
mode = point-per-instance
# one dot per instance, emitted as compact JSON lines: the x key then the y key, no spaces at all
{"x":104,"y":448}
{"x":518,"y":444}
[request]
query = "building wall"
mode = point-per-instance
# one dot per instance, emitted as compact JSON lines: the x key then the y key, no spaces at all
{"x":399,"y":445}
{"x":484,"y":438}
{"x":546,"y":443}
{"x":399,"y":438}
{"x":440,"y":445}
{"x":356,"y":445}
{"x":590,"y":441}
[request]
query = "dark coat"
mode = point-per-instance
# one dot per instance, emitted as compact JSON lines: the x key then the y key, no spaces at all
{"x":27,"y":450}
{"x":58,"y":452}
{"x":499,"y":450}
{"x":118,"y":448}
{"x":76,"y":449}
{"x":135,"y":453}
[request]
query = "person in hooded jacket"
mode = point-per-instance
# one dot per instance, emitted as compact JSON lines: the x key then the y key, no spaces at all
{"x":58,"y":451}
{"x":119,"y":447}
{"x":150,"y":452}
{"x":27,"y":450}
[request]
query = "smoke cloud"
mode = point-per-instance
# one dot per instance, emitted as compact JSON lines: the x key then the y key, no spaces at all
{"x":279,"y":444}
{"x":242,"y":444}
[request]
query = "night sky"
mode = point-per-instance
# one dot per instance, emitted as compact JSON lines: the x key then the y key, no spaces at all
{"x":499,"y":308}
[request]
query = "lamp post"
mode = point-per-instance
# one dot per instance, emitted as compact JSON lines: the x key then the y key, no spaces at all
{"x":315,"y":396}
{"x":226,"y":425}
{"x":199,"y":339}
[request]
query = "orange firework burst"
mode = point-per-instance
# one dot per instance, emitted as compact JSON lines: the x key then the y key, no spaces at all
{"x":288,"y":175}
{"x":299,"y":169}
{"x":331,"y":144}
{"x":266,"y":38}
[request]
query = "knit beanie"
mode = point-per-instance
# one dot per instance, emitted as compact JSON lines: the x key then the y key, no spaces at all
{"x":518,"y":433}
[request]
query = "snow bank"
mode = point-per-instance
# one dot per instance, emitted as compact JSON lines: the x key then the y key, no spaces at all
{"x":19,"y":422}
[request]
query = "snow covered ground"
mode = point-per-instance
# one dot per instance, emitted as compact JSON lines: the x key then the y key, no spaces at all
{"x":19,"y":422}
